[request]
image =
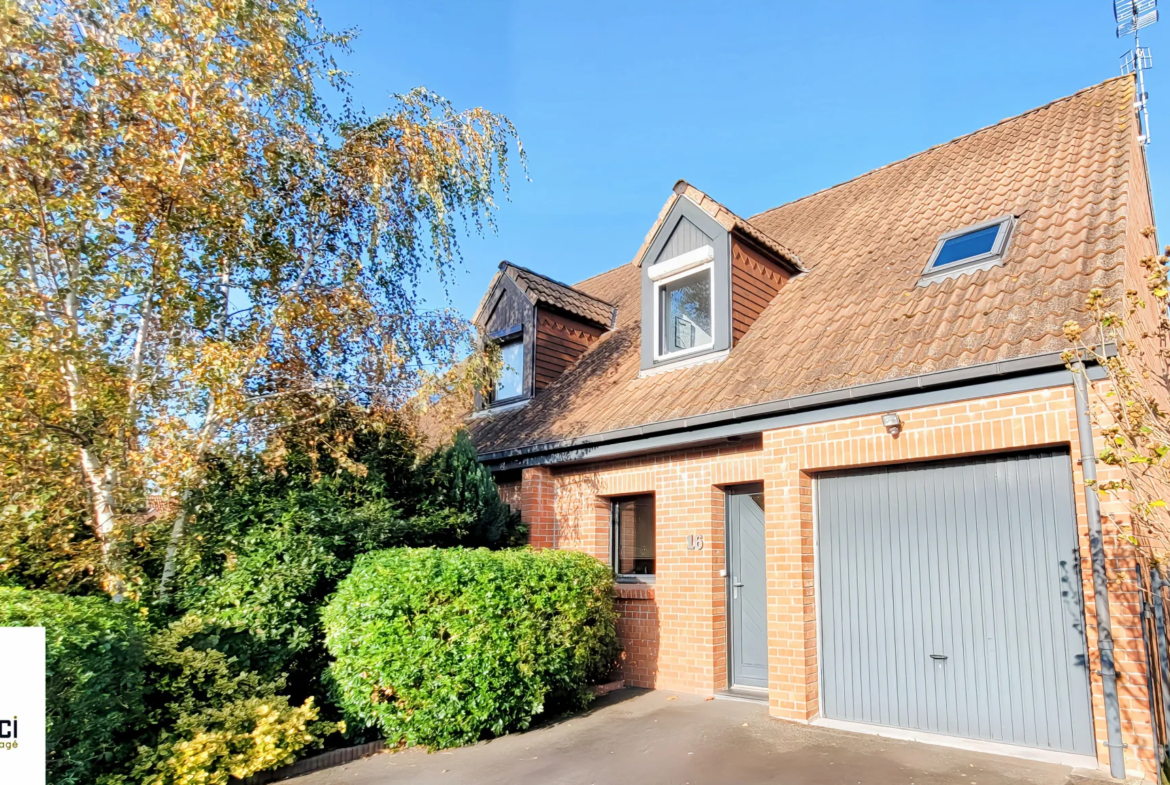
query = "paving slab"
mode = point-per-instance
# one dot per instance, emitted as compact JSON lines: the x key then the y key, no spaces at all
{"x":652,"y":737}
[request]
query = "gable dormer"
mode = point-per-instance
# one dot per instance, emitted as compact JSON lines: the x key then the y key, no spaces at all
{"x":541,"y":327}
{"x":706,"y":276}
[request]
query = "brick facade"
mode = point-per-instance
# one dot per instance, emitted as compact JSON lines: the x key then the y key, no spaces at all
{"x":536,"y":506}
{"x":510,"y":494}
{"x":674,"y":632}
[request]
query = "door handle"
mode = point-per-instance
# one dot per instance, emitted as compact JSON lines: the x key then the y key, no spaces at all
{"x":735,"y":587}
{"x":938,"y":656}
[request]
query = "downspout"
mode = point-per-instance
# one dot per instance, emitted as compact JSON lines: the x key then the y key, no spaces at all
{"x":1100,"y":582}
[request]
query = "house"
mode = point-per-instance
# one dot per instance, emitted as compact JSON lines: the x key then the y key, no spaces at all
{"x":832,"y":449}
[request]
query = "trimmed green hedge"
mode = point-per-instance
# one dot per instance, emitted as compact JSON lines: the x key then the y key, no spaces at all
{"x":95,"y":653}
{"x":445,"y":647}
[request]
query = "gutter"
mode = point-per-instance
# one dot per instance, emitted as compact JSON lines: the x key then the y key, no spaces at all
{"x":748,"y":419}
{"x":1100,"y":579}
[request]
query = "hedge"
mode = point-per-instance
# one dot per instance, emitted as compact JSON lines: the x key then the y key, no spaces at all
{"x":94,"y":680}
{"x":445,"y":647}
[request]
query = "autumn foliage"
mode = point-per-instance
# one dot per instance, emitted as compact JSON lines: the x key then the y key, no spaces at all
{"x":196,"y":254}
{"x":1128,"y":337}
{"x":212,"y":346}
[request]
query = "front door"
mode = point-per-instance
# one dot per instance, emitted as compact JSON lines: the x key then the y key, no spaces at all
{"x":747,"y":588}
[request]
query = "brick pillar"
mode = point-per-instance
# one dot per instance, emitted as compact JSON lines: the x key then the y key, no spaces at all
{"x":792,"y":652}
{"x":536,"y":506}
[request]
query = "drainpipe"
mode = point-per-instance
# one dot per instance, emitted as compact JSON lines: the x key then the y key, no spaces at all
{"x":1100,"y":584}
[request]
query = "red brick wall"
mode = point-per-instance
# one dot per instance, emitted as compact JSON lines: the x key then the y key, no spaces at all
{"x":680,"y":623}
{"x":674,"y":636}
{"x":536,"y":506}
{"x":638,"y":631}
{"x":510,"y":494}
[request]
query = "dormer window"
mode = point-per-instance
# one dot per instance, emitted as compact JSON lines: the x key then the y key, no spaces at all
{"x":707,"y":275}
{"x":541,"y":327}
{"x":969,"y":249}
{"x":685,"y":312}
{"x":510,"y":383}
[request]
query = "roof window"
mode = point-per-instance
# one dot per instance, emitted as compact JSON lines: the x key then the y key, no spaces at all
{"x":969,"y":249}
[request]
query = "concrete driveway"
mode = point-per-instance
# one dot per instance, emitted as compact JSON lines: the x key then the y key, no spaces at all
{"x":638,"y":736}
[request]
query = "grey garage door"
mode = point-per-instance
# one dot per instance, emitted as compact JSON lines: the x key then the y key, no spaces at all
{"x":950,"y":600}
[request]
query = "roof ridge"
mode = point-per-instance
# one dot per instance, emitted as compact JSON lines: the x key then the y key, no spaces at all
{"x":1066,"y":169}
{"x":757,"y":233}
{"x":932,"y":148}
{"x":554,"y":280}
{"x":751,"y":218}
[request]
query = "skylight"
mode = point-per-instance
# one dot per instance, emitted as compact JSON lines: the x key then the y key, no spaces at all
{"x":978,"y":247}
{"x":966,"y":246}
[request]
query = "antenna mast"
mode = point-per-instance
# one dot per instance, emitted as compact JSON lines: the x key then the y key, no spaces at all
{"x":1132,"y":16}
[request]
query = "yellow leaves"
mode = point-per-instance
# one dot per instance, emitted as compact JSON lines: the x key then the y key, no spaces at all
{"x":182,"y":144}
{"x":251,"y":736}
{"x":1123,"y":338}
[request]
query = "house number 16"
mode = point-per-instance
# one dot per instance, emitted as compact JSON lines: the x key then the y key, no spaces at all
{"x":694,"y":542}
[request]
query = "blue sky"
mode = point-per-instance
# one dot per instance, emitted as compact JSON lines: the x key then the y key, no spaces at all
{"x":755,"y":103}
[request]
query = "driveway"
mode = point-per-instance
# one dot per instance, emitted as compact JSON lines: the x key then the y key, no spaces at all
{"x":638,"y":736}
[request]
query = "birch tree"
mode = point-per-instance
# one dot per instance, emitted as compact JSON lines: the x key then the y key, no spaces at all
{"x":195,"y":251}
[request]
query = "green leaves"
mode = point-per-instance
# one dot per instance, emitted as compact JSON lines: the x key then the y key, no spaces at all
{"x":96,"y":680}
{"x":212,"y":717}
{"x":445,"y":647}
{"x":195,"y":253}
{"x":454,"y":478}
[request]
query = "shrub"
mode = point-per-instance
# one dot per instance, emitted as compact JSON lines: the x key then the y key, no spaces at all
{"x":94,"y":680}
{"x":266,"y":593}
{"x":211,"y":717}
{"x":272,"y":535}
{"x":241,"y":738}
{"x":455,"y":478}
{"x":444,"y":647}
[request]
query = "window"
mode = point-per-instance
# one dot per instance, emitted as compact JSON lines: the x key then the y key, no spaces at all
{"x":510,"y":383}
{"x":684,"y":311}
{"x":978,"y":246}
{"x":632,"y":538}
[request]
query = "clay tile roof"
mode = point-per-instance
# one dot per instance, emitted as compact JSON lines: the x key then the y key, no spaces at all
{"x":725,"y":218}
{"x":1067,"y":171}
{"x":541,"y":289}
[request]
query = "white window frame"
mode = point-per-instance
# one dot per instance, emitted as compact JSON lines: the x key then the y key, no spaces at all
{"x":983,"y":261}
{"x":660,"y":328}
{"x":511,"y":337}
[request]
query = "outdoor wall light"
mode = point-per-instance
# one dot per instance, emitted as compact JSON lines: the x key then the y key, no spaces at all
{"x":893,"y":423}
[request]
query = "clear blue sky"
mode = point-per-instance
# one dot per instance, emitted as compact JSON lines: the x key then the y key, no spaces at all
{"x":755,"y":103}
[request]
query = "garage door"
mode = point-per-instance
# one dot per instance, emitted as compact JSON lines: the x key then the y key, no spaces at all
{"x":950,"y":600}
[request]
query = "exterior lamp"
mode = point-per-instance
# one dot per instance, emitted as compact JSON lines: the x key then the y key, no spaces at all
{"x":893,"y":423}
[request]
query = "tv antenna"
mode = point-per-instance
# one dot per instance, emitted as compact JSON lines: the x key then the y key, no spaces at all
{"x":1132,"y":16}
